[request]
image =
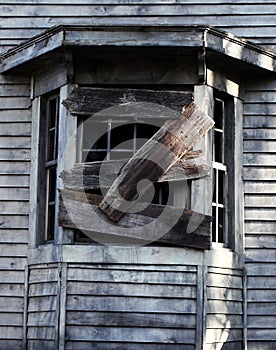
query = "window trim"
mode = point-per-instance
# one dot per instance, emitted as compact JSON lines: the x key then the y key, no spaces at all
{"x":202,"y":189}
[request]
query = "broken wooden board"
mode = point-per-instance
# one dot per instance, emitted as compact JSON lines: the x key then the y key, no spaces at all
{"x":96,"y":175}
{"x":171,"y":142}
{"x":121,"y":102}
{"x":80,"y":210}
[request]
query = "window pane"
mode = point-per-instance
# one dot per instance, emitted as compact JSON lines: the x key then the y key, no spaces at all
{"x":94,"y":156}
{"x":50,"y":229}
{"x":52,"y":184}
{"x":144,"y":131}
{"x":95,"y":136}
{"x":122,"y":133}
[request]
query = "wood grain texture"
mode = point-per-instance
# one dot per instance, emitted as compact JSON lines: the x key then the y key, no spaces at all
{"x":91,"y":176}
{"x":172,"y":228}
{"x":173,"y":140}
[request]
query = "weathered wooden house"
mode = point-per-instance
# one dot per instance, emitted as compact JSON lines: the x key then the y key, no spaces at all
{"x":113,"y":72}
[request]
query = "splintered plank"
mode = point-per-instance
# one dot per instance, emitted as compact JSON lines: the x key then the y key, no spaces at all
{"x":87,"y":101}
{"x":95,"y":175}
{"x":80,"y":210}
{"x":171,"y":142}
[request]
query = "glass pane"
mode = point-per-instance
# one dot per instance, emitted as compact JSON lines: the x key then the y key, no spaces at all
{"x":52,"y":113}
{"x":95,"y":136}
{"x":52,"y":184}
{"x":51,"y":222}
{"x":214,"y":224}
{"x":120,"y":134}
{"x":220,"y":224}
{"x":221,"y":176}
{"x":51,"y":145}
{"x":93,"y":156}
{"x":218,"y":145}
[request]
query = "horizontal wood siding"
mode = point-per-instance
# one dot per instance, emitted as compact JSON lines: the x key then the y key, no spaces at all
{"x":254,"y":20}
{"x":14,"y":192}
{"x":131,"y":307}
{"x":224,"y":325}
{"x":260,"y":219}
{"x":43,"y":306}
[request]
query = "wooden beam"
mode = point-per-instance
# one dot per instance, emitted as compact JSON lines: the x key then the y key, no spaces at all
{"x":171,"y":142}
{"x":92,"y":176}
{"x":127,"y":102}
{"x":80,"y":210}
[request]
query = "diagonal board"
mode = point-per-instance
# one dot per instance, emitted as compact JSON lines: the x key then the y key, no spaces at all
{"x":171,"y":142}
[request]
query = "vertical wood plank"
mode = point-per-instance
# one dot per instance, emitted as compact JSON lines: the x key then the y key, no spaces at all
{"x":34,"y":172}
{"x":62,"y":312}
{"x":25,"y":312}
{"x":204,"y":305}
{"x":244,"y":309}
{"x":201,"y":191}
{"x":66,"y":152}
{"x":57,"y":312}
{"x":199,"y":307}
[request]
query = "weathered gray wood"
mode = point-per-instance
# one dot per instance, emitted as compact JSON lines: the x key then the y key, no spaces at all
{"x":11,"y":263}
{"x":155,"y":158}
{"x":15,"y":304}
{"x":254,"y":173}
{"x":136,"y":267}
{"x":263,"y":269}
{"x":125,"y":334}
{"x":12,"y":319}
{"x":124,"y":304}
{"x":120,"y":276}
{"x":43,"y":275}
{"x":174,"y":225}
{"x":258,"y":282}
{"x":224,"y":294}
{"x":7,"y":207}
{"x":14,"y":180}
{"x":49,"y":288}
{"x":131,"y":319}
{"x":261,"y":308}
{"x":259,"y":322}
{"x":8,"y":289}
{"x":45,"y":303}
{"x":41,"y":333}
{"x":226,"y":335}
{"x":216,"y":280}
{"x":257,"y":241}
{"x":257,"y":120}
{"x":14,"y":221}
{"x":75,"y":345}
{"x":221,"y":321}
{"x":41,"y":344}
{"x":224,"y":307}
{"x":61,"y":314}
{"x":40,"y":319}
{"x":15,"y":168}
{"x":261,"y":255}
{"x":266,"y":214}
{"x":13,"y":249}
{"x":127,"y":289}
{"x":15,"y":129}
{"x":10,"y":193}
{"x":88,"y":101}
{"x":10,"y":332}
{"x":265,"y":187}
{"x":25,"y":311}
{"x":263,"y":295}
{"x":85,"y":176}
{"x":259,"y":159}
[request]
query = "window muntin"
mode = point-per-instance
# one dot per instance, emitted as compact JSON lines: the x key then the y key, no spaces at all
{"x":50,"y":167}
{"x":220,"y":171}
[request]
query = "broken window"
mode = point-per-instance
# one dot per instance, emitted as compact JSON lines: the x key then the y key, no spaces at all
{"x":110,"y":139}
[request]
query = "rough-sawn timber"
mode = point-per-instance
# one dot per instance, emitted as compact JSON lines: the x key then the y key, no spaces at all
{"x":79,"y":209}
{"x":171,"y":142}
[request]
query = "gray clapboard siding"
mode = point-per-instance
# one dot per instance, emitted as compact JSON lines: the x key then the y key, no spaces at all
{"x":16,"y":290}
{"x":259,"y":159}
{"x":224,"y":320}
{"x":42,"y":313}
{"x":129,"y":304}
{"x":261,"y":201}
{"x":11,"y":263}
{"x":71,"y":345}
{"x":15,"y":129}
{"x":258,"y":187}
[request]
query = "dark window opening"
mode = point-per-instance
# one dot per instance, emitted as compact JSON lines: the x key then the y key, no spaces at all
{"x":219,"y":173}
{"x":51,"y":157}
